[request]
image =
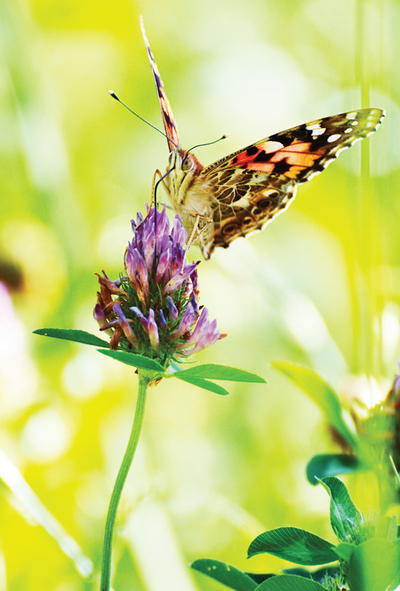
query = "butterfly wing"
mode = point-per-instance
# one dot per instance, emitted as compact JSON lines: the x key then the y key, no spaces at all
{"x":168,"y":118}
{"x":254,"y":185}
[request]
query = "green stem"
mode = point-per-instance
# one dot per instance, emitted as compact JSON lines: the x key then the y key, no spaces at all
{"x":144,"y":381}
{"x":366,"y":303}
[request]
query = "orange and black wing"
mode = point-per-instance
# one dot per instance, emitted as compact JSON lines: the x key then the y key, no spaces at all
{"x":257,"y":183}
{"x":166,"y":111}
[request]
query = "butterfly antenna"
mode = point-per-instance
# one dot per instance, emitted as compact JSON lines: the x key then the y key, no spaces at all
{"x":112,"y":93}
{"x":207,"y":144}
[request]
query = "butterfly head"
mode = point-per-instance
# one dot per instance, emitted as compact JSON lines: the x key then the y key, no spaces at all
{"x":184,"y":168}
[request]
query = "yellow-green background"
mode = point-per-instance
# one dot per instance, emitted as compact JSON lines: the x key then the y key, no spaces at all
{"x":320,"y":286}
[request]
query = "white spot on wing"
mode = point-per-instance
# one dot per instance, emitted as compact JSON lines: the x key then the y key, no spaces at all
{"x":318,"y":131}
{"x":269,"y":147}
{"x":334,"y":137}
{"x":242,"y":203}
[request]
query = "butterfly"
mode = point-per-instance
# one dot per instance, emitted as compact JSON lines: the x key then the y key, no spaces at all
{"x":243,"y":192}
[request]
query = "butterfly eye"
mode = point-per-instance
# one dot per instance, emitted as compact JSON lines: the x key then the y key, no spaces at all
{"x":187,"y":164}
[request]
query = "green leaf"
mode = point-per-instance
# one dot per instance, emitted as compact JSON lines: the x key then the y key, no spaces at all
{"x":297,"y":545}
{"x":135,"y":360}
{"x":318,"y":575}
{"x":321,"y":393}
{"x":345,"y":550}
{"x":387,"y":528}
{"x":212,"y":371}
{"x":224,"y":573}
{"x":323,"y":465}
{"x":260,"y":577}
{"x":205,"y":384}
{"x":290,"y":583}
{"x":345,"y":517}
{"x":77,"y":336}
{"x":373,"y":565}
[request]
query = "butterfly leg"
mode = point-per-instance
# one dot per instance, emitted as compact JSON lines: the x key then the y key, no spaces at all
{"x":154,"y":186}
{"x":195,"y":233}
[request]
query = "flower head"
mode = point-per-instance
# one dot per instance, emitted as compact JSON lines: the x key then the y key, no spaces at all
{"x":153,"y":309}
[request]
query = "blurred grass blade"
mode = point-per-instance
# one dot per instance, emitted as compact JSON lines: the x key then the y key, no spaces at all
{"x":323,"y":465}
{"x":135,"y":360}
{"x":225,"y":573}
{"x":345,"y":517}
{"x":395,"y":471}
{"x":290,"y":583}
{"x":213,"y":371}
{"x":77,"y":336}
{"x":294,"y":544}
{"x":321,"y":393}
{"x":12,"y":477}
{"x":200,"y":383}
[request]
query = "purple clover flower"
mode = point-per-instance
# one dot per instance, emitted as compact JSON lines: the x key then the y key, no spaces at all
{"x":154,"y":308}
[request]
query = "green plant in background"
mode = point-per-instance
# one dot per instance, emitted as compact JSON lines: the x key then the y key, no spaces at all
{"x":367,"y":553}
{"x":367,"y":556}
{"x":153,"y":317}
{"x":371,"y":439}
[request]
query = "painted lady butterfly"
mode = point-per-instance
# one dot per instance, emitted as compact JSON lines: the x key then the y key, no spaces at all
{"x":244,"y":191}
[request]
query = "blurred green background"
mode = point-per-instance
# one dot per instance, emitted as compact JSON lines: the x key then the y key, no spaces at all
{"x":320,"y":286}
